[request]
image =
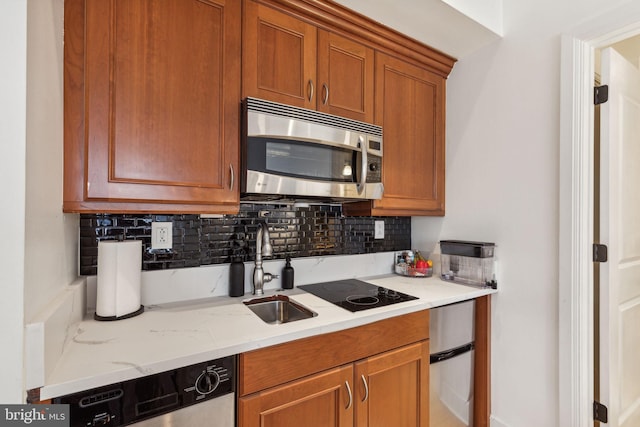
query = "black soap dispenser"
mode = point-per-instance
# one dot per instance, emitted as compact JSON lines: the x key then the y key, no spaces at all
{"x":287,"y":274}
{"x":236,"y":277}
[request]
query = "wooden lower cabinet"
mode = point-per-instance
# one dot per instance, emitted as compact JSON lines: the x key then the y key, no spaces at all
{"x":389,"y":389}
{"x":321,"y":400}
{"x":393,"y":388}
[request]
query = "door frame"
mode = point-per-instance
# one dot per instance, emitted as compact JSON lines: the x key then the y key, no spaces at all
{"x":576,"y":195}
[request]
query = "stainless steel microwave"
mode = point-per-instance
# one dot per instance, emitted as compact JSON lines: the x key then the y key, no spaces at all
{"x":296,"y":153}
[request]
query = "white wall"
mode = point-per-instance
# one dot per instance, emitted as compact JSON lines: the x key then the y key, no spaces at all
{"x":51,"y":236}
{"x":502,"y":186}
{"x":485,"y":12}
{"x":13,"y":51}
{"x":38,"y":252}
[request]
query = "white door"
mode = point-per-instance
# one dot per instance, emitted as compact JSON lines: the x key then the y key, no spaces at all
{"x":620,"y":231}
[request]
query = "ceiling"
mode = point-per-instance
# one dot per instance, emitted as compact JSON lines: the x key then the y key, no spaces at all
{"x":630,"y":49}
{"x":443,"y":27}
{"x":433,"y":22}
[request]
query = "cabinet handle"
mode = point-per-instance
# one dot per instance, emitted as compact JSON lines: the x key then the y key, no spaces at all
{"x":311,"y":89}
{"x":325,"y":89}
{"x":233,"y":177}
{"x":350,"y":395}
{"x":366,"y":388}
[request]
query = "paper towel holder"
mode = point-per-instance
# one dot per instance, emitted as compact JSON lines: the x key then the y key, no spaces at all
{"x":119,"y":280}
{"x":124,"y":316}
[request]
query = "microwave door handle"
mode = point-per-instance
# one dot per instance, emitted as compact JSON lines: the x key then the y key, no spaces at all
{"x":363,"y":166}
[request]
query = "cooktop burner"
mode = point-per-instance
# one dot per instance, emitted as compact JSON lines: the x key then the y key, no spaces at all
{"x":356,"y":295}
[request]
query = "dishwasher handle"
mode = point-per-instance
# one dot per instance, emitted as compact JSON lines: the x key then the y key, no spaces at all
{"x":448,"y":354}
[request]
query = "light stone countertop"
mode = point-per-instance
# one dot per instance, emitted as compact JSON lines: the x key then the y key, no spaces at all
{"x":174,"y":335}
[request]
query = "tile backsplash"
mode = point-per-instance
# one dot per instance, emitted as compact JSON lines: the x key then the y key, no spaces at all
{"x":315,"y":230}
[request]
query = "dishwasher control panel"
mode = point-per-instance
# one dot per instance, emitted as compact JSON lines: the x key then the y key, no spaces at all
{"x":142,"y":398}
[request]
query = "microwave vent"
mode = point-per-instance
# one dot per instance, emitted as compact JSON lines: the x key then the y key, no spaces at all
{"x":277,"y":109}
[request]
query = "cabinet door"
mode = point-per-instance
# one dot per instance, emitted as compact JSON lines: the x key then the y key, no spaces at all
{"x":321,"y":400}
{"x":279,"y":57}
{"x":410,"y":106}
{"x":152,"y":109}
{"x":392,"y":389}
{"x":345,"y":77}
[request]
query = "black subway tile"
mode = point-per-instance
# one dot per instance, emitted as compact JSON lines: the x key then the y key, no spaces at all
{"x":312,"y":231}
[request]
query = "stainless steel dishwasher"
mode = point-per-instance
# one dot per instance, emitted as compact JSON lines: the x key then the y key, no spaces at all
{"x":451,"y":344}
{"x":197,"y":395}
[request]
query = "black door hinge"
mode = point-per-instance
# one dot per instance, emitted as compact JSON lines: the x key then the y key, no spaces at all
{"x":600,"y":412}
{"x":599,"y":253}
{"x":600,"y":94}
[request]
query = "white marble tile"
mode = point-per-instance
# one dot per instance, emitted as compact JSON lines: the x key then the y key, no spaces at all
{"x":185,"y":284}
{"x":171,"y":335}
{"x":47,"y":336}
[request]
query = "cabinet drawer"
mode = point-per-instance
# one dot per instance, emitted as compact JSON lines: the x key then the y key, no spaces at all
{"x":268,"y":367}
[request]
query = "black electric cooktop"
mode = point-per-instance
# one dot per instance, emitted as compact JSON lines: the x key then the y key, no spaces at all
{"x":356,"y":295}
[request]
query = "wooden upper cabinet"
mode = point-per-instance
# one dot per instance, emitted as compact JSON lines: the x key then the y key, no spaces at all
{"x":152,"y":92}
{"x":288,"y":60}
{"x":279,"y":57}
{"x":345,"y":75}
{"x":410,"y":107}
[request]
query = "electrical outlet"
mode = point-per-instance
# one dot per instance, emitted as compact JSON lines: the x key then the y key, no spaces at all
{"x":161,"y":235}
{"x":379,"y":229}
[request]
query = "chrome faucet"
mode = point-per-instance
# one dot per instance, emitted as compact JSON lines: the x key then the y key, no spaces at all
{"x":263,"y":248}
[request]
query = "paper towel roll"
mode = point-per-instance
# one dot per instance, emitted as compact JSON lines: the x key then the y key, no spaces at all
{"x":119,"y":278}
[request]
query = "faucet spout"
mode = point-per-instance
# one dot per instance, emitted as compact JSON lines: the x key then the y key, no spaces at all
{"x":267,"y":249}
{"x":263,"y":248}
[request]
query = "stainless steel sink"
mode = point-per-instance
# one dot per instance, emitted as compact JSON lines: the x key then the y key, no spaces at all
{"x":279,"y":309}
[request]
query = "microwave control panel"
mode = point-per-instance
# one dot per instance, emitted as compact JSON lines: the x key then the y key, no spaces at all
{"x":374,"y":169}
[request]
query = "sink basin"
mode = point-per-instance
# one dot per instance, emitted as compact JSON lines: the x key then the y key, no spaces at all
{"x":279,"y":309}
